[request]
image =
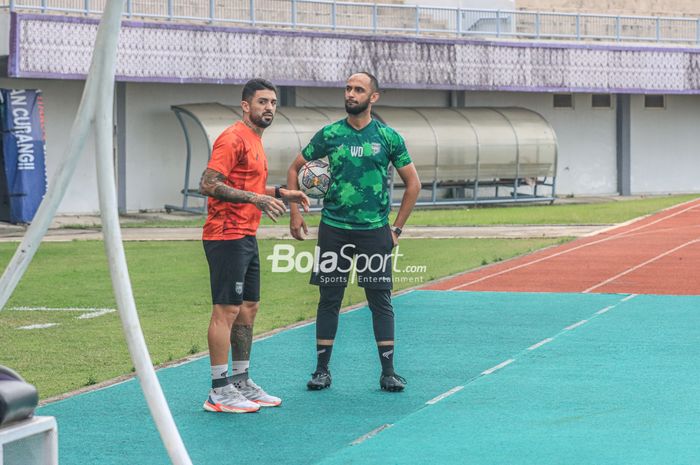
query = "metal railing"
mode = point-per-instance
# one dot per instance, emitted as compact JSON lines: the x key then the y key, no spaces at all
{"x":393,"y":18}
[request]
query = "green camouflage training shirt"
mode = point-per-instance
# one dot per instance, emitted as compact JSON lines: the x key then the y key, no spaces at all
{"x":358,"y":197}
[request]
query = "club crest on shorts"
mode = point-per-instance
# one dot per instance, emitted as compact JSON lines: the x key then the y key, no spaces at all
{"x":239,"y":288}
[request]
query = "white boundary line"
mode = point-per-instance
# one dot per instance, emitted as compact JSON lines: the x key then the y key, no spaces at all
{"x":576,"y":325}
{"x":38,"y":326}
{"x":89,"y":312}
{"x":103,"y":311}
{"x":636,"y":267}
{"x":444,"y":395}
{"x":56,"y":309}
{"x":563,"y":252}
{"x":540,"y":344}
{"x":371,"y":434}
{"x":603,"y":310}
{"x":497,"y":367}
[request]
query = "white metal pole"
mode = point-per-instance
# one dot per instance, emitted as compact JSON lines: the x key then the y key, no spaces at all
{"x":114,"y":247}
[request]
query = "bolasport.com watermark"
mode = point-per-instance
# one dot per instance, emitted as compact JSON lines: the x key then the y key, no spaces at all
{"x":346,"y":265}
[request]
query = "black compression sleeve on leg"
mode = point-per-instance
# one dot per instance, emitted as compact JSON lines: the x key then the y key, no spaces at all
{"x":328,"y":309}
{"x":379,"y":301}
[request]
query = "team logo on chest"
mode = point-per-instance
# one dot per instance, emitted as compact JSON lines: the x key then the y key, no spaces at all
{"x":376,"y":148}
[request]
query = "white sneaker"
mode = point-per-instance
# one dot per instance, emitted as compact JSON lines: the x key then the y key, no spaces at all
{"x":227,"y":399}
{"x":255,"y":393}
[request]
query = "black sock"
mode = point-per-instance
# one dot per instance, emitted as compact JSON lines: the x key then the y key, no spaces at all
{"x":386,"y":357}
{"x":324,"y":356}
{"x":220,"y":382}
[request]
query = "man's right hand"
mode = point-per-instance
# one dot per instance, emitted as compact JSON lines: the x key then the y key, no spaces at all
{"x":297,"y":225}
{"x":272,"y":207}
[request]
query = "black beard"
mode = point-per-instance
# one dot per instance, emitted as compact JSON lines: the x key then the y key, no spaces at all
{"x":260,"y":122}
{"x":357,"y":109}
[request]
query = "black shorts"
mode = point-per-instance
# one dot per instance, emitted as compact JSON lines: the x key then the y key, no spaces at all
{"x":234,"y":270}
{"x":372,"y":252}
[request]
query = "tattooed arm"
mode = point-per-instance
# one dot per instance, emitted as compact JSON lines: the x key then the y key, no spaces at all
{"x":213,"y":184}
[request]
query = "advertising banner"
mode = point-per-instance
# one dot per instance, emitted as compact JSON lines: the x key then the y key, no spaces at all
{"x":22,"y":146}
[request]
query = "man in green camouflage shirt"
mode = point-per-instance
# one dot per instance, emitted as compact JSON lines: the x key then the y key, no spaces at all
{"x":355,"y":222}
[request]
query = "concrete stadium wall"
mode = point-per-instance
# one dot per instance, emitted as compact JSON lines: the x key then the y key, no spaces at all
{"x":666,"y":146}
{"x":664,"y":142}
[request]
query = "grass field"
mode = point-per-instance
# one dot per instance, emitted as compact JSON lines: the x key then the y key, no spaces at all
{"x":609,"y":212}
{"x":171,"y":286}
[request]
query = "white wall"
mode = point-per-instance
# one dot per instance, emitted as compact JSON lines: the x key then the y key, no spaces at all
{"x":587,"y":150}
{"x":155,"y":144}
{"x":666,"y":145}
{"x":320,"y":97}
{"x":4,"y":33}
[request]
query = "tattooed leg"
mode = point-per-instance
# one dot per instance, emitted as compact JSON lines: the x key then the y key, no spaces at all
{"x":242,"y":340}
{"x":241,"y":343}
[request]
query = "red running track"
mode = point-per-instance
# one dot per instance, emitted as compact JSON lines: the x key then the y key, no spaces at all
{"x":657,"y":254}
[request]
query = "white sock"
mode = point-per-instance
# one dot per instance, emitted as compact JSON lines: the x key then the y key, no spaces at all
{"x":219,"y":371}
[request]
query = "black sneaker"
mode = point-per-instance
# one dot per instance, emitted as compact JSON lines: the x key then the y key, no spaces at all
{"x":319,"y":380}
{"x":392,"y":383}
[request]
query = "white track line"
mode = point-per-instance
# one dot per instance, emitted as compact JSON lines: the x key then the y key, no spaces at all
{"x":540,"y":344}
{"x":497,"y":367}
{"x":630,"y":270}
{"x":437,"y":399}
{"x":563,"y":252}
{"x":603,"y":310}
{"x":370,"y":435}
{"x":576,"y":325}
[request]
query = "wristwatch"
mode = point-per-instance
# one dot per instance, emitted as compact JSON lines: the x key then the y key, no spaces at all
{"x":278,"y":194}
{"x":396,"y":230}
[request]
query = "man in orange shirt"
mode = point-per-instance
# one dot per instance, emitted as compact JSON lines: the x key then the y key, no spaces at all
{"x":235,"y":181}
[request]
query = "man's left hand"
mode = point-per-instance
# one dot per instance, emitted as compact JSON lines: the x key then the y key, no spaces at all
{"x":296,"y":196}
{"x":394,"y":238}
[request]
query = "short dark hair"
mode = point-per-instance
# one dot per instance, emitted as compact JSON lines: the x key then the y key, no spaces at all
{"x":372,"y":80}
{"x":254,"y":85}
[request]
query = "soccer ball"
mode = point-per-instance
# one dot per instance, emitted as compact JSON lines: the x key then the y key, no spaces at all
{"x":314,"y":178}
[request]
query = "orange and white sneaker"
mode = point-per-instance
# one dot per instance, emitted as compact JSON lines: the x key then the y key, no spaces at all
{"x":256,"y":394}
{"x":228,"y":399}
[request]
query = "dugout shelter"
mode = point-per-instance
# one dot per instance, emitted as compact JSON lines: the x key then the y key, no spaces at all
{"x":462,"y":155}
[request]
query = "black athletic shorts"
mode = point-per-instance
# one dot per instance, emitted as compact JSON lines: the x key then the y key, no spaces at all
{"x":372,"y":252}
{"x":234,"y":270}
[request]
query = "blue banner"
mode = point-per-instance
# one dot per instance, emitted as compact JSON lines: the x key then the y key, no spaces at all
{"x":23,"y":158}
